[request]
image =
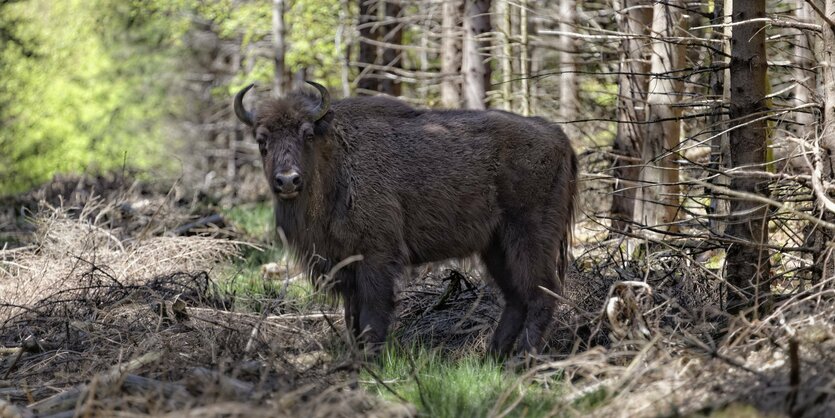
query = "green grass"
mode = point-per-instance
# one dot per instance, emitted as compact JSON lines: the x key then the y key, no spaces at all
{"x":469,"y":386}
{"x":254,"y":220}
{"x":243,"y":279}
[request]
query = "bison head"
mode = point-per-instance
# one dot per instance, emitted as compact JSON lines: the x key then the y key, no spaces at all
{"x":285,"y":131}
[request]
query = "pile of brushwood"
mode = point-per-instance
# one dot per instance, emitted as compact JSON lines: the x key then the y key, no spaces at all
{"x":102,"y":316}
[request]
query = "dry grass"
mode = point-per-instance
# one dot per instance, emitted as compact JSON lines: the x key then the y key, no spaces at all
{"x":67,"y":250}
{"x":94,"y":323}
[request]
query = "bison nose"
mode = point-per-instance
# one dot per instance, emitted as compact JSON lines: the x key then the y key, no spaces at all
{"x":288,"y":182}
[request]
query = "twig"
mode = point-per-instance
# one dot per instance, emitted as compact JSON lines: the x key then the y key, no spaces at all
{"x":821,"y":14}
{"x":764,"y":200}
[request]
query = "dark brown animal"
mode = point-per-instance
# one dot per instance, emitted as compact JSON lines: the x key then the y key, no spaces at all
{"x":398,"y":185}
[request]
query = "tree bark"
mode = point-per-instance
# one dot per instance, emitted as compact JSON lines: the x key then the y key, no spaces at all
{"x":657,"y":202}
{"x":366,"y":81}
{"x":524,"y":57}
{"x":392,"y":33}
{"x":747,"y":264}
{"x":719,"y":145}
{"x":279,"y":47}
{"x":568,"y":76}
{"x":343,"y":43}
{"x":632,"y":96}
{"x":804,"y":91}
{"x":476,"y":71}
{"x":825,"y":259}
{"x":451,"y":54}
{"x":504,"y":13}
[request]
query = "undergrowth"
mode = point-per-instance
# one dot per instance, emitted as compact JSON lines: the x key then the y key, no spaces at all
{"x":245,"y":280}
{"x":465,"y":386}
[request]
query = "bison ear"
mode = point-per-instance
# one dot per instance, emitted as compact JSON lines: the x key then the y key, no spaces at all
{"x":321,"y":126}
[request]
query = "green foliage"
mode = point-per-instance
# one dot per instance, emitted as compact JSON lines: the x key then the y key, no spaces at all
{"x":84,"y":100}
{"x":463,"y":387}
{"x":311,"y":24}
{"x":87,"y":84}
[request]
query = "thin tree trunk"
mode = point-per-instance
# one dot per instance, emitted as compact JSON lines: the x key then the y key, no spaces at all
{"x":423,"y":57}
{"x":747,"y":263}
{"x":568,"y":77}
{"x":804,"y":76}
{"x":632,"y":96}
{"x":392,"y":33}
{"x":719,"y":145}
{"x":450,"y":54}
{"x":825,"y":259}
{"x":504,"y":13}
{"x":366,"y":81}
{"x":279,"y":47}
{"x":344,"y":43}
{"x":657,"y":202}
{"x":538,"y":52}
{"x":524,"y":57}
{"x":476,"y":23}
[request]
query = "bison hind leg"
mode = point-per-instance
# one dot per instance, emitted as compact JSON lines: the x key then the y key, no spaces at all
{"x":515,"y":309}
{"x":529,"y":262}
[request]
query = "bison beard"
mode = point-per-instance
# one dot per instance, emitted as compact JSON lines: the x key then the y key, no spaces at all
{"x":398,"y":185}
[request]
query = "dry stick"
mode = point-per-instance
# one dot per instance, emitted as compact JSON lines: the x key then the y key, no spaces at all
{"x":30,"y":345}
{"x":821,"y":14}
{"x":768,"y":114}
{"x":773,"y":22}
{"x":228,"y":386}
{"x":71,"y":397}
{"x":766,"y":201}
{"x":794,"y":377}
{"x":506,"y":394}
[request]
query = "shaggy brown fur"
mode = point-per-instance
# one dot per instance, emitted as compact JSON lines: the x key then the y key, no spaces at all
{"x":403,"y":186}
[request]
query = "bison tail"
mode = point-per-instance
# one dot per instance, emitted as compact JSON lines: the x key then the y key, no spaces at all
{"x":570,"y":174}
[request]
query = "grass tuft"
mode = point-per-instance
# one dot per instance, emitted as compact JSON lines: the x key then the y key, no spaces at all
{"x":469,"y":386}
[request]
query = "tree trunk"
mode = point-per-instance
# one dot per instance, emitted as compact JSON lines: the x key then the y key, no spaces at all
{"x":476,"y":24}
{"x":825,"y":260}
{"x":568,"y":77}
{"x":366,"y":81}
{"x":632,"y":95}
{"x":279,"y":47}
{"x":747,"y":264}
{"x":392,"y":33}
{"x":344,"y":44}
{"x":505,"y":13}
{"x":657,"y":203}
{"x":804,"y":91}
{"x":450,"y":54}
{"x":719,"y":145}
{"x":524,"y":57}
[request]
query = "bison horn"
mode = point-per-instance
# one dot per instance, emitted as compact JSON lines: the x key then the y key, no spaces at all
{"x":324,"y":105}
{"x":243,"y":115}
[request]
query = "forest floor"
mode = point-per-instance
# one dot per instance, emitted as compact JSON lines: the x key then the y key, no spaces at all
{"x":123,"y":300}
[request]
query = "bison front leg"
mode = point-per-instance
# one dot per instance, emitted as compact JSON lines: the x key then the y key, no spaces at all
{"x":375,"y":300}
{"x":352,"y":318}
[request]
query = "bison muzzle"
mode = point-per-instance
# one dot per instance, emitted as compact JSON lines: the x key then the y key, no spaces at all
{"x":399,"y":185}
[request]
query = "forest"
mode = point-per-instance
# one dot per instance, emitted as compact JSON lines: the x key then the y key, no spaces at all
{"x":142,"y":273}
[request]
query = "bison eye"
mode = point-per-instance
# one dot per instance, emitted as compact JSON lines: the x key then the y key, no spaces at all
{"x":307,"y":132}
{"x":262,"y":146}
